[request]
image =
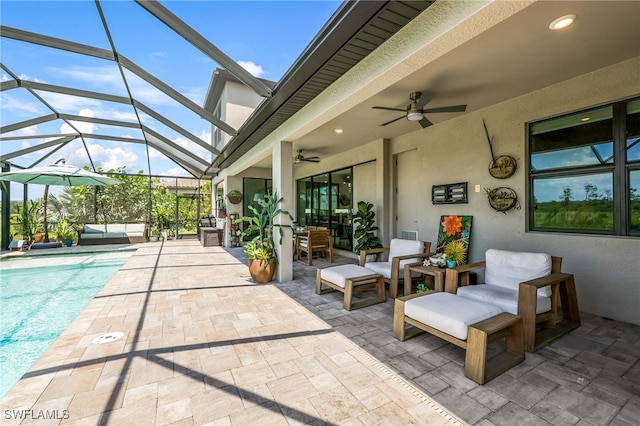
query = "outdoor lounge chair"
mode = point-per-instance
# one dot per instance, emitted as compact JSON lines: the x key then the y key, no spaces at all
{"x":526,"y":284}
{"x":400,"y":252}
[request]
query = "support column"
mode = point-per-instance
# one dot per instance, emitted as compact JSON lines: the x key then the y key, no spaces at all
{"x":282,"y":175}
{"x":385,"y":218}
{"x":6,"y":211}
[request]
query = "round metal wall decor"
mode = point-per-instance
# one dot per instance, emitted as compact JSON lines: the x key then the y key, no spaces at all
{"x":502,"y":167}
{"x":234,"y":196}
{"x":502,"y":199}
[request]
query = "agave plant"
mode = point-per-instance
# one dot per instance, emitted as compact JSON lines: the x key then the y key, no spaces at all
{"x":456,"y":250}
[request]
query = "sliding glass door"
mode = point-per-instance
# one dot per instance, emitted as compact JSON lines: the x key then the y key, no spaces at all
{"x":325,"y":200}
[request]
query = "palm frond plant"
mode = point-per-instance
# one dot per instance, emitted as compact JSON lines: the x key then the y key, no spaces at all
{"x":29,"y":220}
{"x":261,"y":225}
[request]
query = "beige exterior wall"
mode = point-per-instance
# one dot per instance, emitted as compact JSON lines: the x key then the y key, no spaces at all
{"x":606,"y":268}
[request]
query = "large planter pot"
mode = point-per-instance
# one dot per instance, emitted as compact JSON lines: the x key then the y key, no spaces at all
{"x":260,"y":273}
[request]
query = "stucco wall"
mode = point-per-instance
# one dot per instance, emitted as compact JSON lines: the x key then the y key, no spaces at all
{"x":607,"y":269}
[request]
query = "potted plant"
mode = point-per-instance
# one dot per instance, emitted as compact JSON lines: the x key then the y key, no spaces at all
{"x":365,"y":235}
{"x":28,"y":219}
{"x":153,"y":233}
{"x":65,"y":232}
{"x":261,"y":250}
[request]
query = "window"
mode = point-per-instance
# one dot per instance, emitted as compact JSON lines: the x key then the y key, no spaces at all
{"x":585,"y":171}
{"x":325,"y":200}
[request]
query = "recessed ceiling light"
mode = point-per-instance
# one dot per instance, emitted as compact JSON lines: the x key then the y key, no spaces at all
{"x":562,"y":22}
{"x":338,"y":130}
{"x":585,"y":119}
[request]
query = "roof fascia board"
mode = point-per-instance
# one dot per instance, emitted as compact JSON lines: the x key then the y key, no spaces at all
{"x":175,"y":127}
{"x":344,"y":24}
{"x":55,"y":43}
{"x":28,"y":123}
{"x":176,"y":96}
{"x":196,"y":39}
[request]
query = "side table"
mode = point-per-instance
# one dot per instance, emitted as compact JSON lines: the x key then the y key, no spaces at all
{"x":438,"y":275}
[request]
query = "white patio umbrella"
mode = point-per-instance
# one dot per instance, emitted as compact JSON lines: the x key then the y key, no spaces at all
{"x":56,"y":174}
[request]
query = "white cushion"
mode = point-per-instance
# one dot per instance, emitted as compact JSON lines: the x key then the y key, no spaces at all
{"x":509,"y":268}
{"x":400,"y":247}
{"x":338,"y":275}
{"x":382,"y":268}
{"x":505,"y":298}
{"x":135,"y":228}
{"x":116,"y":228}
{"x":449,"y":313}
{"x":93,"y":228}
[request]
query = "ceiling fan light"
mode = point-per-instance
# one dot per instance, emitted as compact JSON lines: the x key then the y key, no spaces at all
{"x":414,"y":116}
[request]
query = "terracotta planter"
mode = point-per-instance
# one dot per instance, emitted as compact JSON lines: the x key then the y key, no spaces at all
{"x":260,"y":273}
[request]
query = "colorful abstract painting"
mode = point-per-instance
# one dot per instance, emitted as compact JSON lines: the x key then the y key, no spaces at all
{"x":453,"y":237}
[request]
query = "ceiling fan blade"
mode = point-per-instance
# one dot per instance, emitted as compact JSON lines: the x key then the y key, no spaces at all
{"x":312,"y":159}
{"x":426,"y":97}
{"x":452,"y":108}
{"x":389,"y":108}
{"x":394,"y":120}
{"x":425,"y":122}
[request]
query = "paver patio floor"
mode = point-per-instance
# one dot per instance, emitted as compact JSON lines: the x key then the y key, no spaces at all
{"x":202,"y":344}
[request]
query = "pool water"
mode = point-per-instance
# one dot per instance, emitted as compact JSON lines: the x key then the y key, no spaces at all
{"x":39,"y":297}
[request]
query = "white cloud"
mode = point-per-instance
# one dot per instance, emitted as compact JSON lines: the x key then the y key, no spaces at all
{"x":175,"y":171}
{"x":82,"y":126}
{"x":13,"y":105}
{"x":253,"y":68}
{"x":112,"y":158}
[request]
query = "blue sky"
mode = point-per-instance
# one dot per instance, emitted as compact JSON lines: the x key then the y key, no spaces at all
{"x":265,"y":37}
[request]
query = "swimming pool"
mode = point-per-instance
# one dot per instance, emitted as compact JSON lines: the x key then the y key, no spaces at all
{"x":39,"y":297}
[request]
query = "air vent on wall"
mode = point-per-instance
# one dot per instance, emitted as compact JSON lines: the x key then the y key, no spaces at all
{"x":410,"y":235}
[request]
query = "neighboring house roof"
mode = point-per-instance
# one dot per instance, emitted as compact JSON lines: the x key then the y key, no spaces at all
{"x":183,"y":184}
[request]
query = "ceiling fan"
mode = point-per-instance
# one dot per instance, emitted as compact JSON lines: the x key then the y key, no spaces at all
{"x":415,"y":111}
{"x":301,"y":158}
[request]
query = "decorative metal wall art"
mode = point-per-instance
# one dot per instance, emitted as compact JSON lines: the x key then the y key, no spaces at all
{"x":500,"y":167}
{"x":502,"y":199}
{"x":234,"y":196}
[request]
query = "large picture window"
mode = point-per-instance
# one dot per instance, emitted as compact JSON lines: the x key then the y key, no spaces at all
{"x":584,"y":171}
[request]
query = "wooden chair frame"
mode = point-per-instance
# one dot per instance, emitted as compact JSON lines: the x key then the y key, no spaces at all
{"x":477,"y":366}
{"x":397,"y":274}
{"x":317,"y":241}
{"x":563,"y":290}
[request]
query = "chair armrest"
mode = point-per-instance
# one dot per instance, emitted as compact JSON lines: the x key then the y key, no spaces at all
{"x":462,"y":271}
{"x":395,"y":261}
{"x":364,"y":253}
{"x":412,"y":256}
{"x":547,"y":280}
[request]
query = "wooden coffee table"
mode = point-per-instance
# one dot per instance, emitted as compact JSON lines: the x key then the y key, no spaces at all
{"x":437,"y":274}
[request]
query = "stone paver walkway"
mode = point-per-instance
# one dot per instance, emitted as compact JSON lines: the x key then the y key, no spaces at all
{"x":202,"y":344}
